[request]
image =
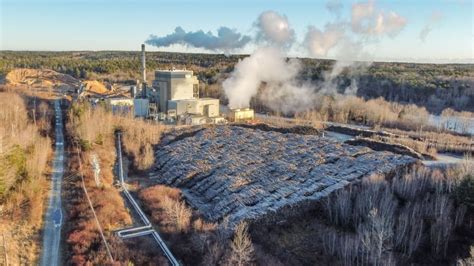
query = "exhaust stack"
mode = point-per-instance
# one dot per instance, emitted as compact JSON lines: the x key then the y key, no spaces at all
{"x":143,"y":64}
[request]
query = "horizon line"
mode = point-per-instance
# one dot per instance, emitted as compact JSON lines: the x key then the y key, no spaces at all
{"x":443,"y":61}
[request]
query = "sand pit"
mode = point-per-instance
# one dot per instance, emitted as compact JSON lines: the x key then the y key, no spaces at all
{"x":39,"y":78}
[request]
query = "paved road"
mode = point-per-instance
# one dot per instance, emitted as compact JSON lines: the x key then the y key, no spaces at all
{"x":54,"y":215}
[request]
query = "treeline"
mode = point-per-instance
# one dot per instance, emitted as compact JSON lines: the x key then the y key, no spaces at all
{"x":414,"y":218}
{"x":433,"y":86}
{"x":25,"y":150}
{"x":112,"y":65}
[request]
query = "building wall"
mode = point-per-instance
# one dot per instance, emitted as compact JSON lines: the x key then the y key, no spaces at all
{"x":206,"y":107}
{"x":175,"y":85}
{"x":181,"y":89}
{"x":164,"y":89}
{"x":120,"y":101}
{"x":141,"y":107}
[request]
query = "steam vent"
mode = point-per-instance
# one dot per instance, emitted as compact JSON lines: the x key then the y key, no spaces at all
{"x":245,"y":173}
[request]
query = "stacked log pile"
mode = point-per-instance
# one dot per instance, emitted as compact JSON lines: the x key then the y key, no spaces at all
{"x":243,"y":173}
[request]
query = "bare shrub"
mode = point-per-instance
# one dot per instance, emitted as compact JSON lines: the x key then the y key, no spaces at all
{"x":467,"y":166}
{"x":440,"y":232}
{"x":174,"y":210}
{"x":214,"y":254}
{"x":178,"y":213}
{"x":413,"y":184}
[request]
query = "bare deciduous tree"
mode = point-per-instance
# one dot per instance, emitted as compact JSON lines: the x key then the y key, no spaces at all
{"x":241,"y":246}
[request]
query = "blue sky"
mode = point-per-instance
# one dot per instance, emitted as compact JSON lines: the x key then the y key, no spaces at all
{"x":124,"y":25}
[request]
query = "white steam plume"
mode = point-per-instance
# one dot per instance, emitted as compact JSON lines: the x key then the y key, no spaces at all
{"x":269,"y":66}
{"x":320,"y":42}
{"x":274,"y":29}
{"x":368,"y":20}
{"x":269,"y":75}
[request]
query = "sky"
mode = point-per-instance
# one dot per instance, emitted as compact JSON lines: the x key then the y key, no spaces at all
{"x":422,"y":30}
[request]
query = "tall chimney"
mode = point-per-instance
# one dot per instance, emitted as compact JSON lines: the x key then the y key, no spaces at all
{"x":143,"y":64}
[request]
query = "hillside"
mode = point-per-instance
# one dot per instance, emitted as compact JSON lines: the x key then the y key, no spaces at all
{"x":47,"y":79}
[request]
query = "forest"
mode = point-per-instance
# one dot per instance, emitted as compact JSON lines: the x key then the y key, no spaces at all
{"x":25,"y":152}
{"x":433,"y":86}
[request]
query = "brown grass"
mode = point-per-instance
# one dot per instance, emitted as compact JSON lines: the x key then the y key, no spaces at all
{"x":93,"y":128}
{"x":439,"y":141}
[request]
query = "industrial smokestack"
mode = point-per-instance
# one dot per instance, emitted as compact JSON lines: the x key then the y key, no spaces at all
{"x":143,"y":64}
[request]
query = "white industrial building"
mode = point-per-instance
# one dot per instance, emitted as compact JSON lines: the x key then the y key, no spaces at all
{"x":203,"y":106}
{"x":175,"y":85}
{"x":178,"y":93}
{"x":173,"y":97}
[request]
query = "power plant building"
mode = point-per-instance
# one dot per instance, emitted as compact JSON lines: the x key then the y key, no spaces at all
{"x":174,"y":96}
{"x":175,"y":85}
{"x":179,"y":98}
{"x":204,"y":106}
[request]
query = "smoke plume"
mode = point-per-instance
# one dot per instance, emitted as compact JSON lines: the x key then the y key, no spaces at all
{"x":274,"y":29}
{"x":434,"y":19}
{"x":226,"y":40}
